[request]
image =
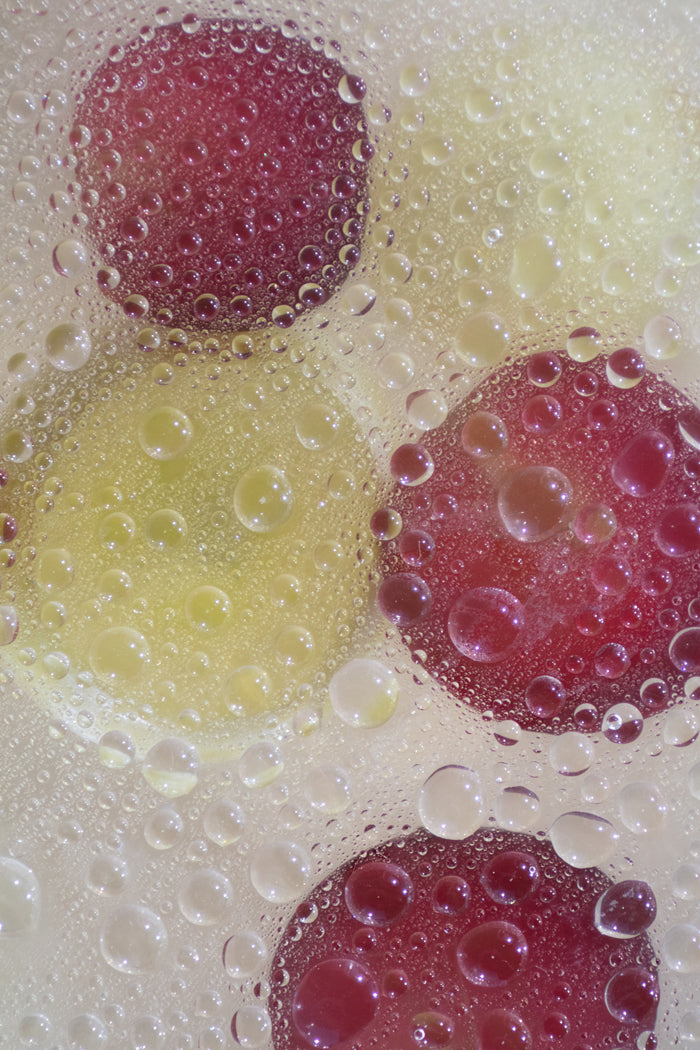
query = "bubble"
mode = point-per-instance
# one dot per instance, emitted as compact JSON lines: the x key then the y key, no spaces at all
{"x":164,"y":828}
{"x":686,"y":882}
{"x":263,"y":499}
{"x":133,"y":939}
{"x":171,"y":767}
{"x":364,"y":693}
{"x":485,"y":624}
{"x":641,"y":807}
{"x":545,"y":696}
{"x":624,"y":368}
{"x":491,"y":954}
{"x":223,"y":821}
{"x":450,"y":803}
{"x":280,"y":870}
{"x":248,"y":690}
{"x":116,"y":531}
{"x":20,"y":898}
{"x":378,"y":893}
{"x":504,"y":1030}
{"x":662,"y":338}
{"x":411,"y":465}
{"x":148,"y":1033}
{"x":86,"y":1032}
{"x":251,"y":1026}
{"x":17,"y":446}
{"x":166,"y":529}
{"x":583,"y":344}
{"x":534,"y":502}
{"x":623,"y":723}
{"x":205,"y":897}
{"x":207,"y":608}
{"x":680,"y":727}
{"x":119,"y":653}
{"x":626,"y":909}
{"x":404,"y":598}
{"x":426,"y":409}
{"x":108,"y":875}
{"x":583,"y":840}
{"x":510,"y":877}
{"x":482,"y":339}
{"x":68,"y":347}
{"x":334,"y":1001}
{"x":327,"y":789}
{"x":484,"y":435}
{"x":642,"y":465}
{"x":245,"y":955}
{"x":681,"y":948}
{"x":684,"y":650}
{"x":294,"y":646}
{"x":165,"y":433}
{"x":594,"y":523}
{"x":517,"y":808}
{"x":632,"y":995}
{"x":9,"y":624}
{"x":317,"y":425}
{"x":571,"y":754}
{"x":260,"y":764}
{"x":70,"y":258}
{"x":536,"y":265}
{"x":414,"y":81}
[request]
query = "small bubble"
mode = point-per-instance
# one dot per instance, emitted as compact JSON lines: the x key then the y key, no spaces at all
{"x":68,"y":347}
{"x":171,"y":767}
{"x":450,"y":803}
{"x":280,"y":871}
{"x":133,"y":940}
{"x":364,"y":693}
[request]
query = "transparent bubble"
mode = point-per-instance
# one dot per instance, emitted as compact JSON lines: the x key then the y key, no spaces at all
{"x":280,"y":870}
{"x":251,"y":1026}
{"x":205,"y":897}
{"x":686,"y":882}
{"x":681,"y":727}
{"x":20,"y":898}
{"x":583,"y":840}
{"x":642,"y":808}
{"x":119,"y":653}
{"x":317,"y":425}
{"x":260,"y":764}
{"x":68,"y":347}
{"x":86,"y":1032}
{"x":35,"y":1030}
{"x":108,"y":875}
{"x":263,"y":499}
{"x":485,"y":624}
{"x":662,"y":338}
{"x":327,"y":789}
{"x":171,"y":767}
{"x":148,"y":1033}
{"x":571,"y":754}
{"x":207,"y":608}
{"x":534,"y":502}
{"x":248,"y":690}
{"x":626,"y":909}
{"x":482,"y":339}
{"x":133,"y":939}
{"x":70,"y":258}
{"x":9,"y":624}
{"x":517,"y":808}
{"x":245,"y":955}
{"x":166,"y":529}
{"x":224,"y":821}
{"x":164,"y":828}
{"x":681,"y":948}
{"x":364,"y":693}
{"x":450,"y":803}
{"x":165,"y":433}
{"x":116,"y":749}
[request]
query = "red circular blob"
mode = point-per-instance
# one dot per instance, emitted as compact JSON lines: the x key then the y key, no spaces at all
{"x":217,"y":154}
{"x":501,"y":942}
{"x":592,"y":529}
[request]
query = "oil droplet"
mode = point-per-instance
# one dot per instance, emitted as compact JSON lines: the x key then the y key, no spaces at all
{"x":364,"y":693}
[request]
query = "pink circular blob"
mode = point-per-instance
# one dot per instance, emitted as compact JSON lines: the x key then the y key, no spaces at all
{"x":491,"y":954}
{"x":378,"y":893}
{"x":333,"y":1002}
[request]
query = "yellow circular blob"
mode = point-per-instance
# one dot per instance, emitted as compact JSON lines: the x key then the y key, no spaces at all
{"x":165,"y":432}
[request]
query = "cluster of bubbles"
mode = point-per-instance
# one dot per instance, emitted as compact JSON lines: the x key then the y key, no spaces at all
{"x":186,"y":553}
